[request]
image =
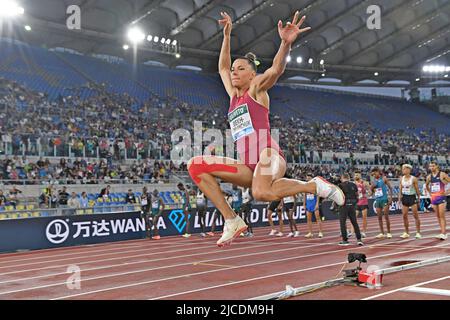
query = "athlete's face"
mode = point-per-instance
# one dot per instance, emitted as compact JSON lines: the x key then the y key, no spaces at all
{"x":406,"y":171}
{"x":357,"y":176}
{"x":242,"y":73}
{"x":376,"y":174}
{"x":433,"y":168}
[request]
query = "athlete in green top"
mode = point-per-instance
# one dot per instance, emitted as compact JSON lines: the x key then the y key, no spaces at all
{"x":380,"y":188}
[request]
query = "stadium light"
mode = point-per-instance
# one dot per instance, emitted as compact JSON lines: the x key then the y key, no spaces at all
{"x":163,"y":40}
{"x":168,"y":41}
{"x":27,"y":27}
{"x":9,"y":8}
{"x":174,"y":43}
{"x":155,"y":38}
{"x":417,"y":79}
{"x":446,"y":76}
{"x":435,"y":68}
{"x":136,"y":35}
{"x":125,"y":47}
{"x":323,"y":74}
{"x":376,"y":74}
{"x":322,"y":62}
{"x":149,"y":38}
{"x":289,"y":59}
{"x":178,"y":56}
{"x":310,"y":60}
{"x":299,"y":60}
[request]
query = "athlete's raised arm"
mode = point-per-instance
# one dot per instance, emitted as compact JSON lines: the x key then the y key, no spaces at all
{"x":288,"y":35}
{"x":225,"y":54}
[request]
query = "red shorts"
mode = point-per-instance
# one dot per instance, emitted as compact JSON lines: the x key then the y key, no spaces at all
{"x":250,"y":156}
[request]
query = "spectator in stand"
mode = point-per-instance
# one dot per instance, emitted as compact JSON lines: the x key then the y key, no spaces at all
{"x":2,"y":198}
{"x":63,"y":196}
{"x":44,"y":201}
{"x":104,"y":193}
{"x":13,"y":196}
{"x":73,"y":202}
{"x":84,"y":202}
{"x":130,"y":197}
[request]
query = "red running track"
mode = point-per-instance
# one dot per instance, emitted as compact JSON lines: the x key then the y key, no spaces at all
{"x":194,"y":268}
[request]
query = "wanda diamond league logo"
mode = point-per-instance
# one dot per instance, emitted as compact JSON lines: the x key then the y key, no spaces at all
{"x":57,"y":231}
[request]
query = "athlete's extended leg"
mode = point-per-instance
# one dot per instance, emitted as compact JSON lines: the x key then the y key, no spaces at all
{"x":268,"y":183}
{"x":205,"y":169}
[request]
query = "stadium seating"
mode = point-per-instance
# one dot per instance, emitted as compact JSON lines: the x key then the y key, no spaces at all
{"x":55,"y":73}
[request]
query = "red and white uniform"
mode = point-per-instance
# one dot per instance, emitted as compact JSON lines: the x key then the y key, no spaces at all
{"x":250,"y":129}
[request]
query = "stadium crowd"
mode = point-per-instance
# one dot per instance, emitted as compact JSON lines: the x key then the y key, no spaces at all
{"x":116,"y":126}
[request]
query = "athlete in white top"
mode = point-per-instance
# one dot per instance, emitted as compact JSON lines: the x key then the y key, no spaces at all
{"x":409,"y":195}
{"x":290,"y":204}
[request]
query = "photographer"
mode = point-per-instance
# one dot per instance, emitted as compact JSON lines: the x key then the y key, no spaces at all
{"x":349,"y":209}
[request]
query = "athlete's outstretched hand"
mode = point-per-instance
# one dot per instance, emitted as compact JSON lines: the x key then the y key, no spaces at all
{"x":227,"y":23}
{"x":291,"y":31}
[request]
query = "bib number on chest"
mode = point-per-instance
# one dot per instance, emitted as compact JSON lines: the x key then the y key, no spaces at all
{"x":435,"y":187}
{"x":378,"y":192}
{"x":240,"y":122}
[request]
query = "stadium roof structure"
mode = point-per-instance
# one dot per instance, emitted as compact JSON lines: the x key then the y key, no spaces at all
{"x":412,"y":33}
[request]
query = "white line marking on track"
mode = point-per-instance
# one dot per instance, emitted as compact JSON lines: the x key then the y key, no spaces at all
{"x":440,"y":292}
{"x":250,"y":246}
{"x":403,"y":288}
{"x":209,"y":244}
{"x":278,"y":274}
{"x":236,"y":267}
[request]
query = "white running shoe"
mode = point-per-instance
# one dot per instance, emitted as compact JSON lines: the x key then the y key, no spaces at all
{"x":418,"y":235}
{"x":233,"y":228}
{"x":363,"y":235}
{"x":441,"y":236}
{"x":309,"y":235}
{"x":296,"y":234}
{"x":320,"y":235}
{"x":388,"y":235}
{"x":326,"y":190}
{"x":186,"y":235}
{"x":349,"y":234}
{"x":273,"y":232}
{"x":202,"y":234}
{"x":404,"y":235}
{"x":279,"y":234}
{"x":380,"y":236}
{"x":290,"y":235}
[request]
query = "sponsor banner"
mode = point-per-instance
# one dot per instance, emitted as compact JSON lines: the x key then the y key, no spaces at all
{"x":172,"y":222}
{"x":52,"y":232}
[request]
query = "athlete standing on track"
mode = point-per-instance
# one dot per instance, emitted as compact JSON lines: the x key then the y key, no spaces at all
{"x":157,"y":210}
{"x":436,"y":182}
{"x":186,"y":207}
{"x":311,"y":205}
{"x":409,"y":195}
{"x":247,"y":210}
{"x":201,"y":210}
{"x":363,"y":202}
{"x":262,"y":165}
{"x":276,"y":206}
{"x":290,"y":203}
{"x":382,"y":201}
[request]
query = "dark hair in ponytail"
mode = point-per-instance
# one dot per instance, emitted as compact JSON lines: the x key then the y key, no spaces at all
{"x":251,"y":58}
